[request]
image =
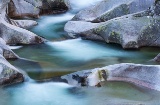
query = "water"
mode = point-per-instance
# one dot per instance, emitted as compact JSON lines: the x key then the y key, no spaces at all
{"x":32,"y":93}
{"x":61,"y":56}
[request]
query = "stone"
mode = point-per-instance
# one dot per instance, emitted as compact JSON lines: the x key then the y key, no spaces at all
{"x":13,"y":35}
{"x":109,"y":9}
{"x":54,"y":6}
{"x":131,"y":31}
{"x":24,"y":23}
{"x":140,"y":75}
{"x":33,"y":8}
{"x":8,"y":73}
{"x":24,"y":8}
{"x":6,"y":52}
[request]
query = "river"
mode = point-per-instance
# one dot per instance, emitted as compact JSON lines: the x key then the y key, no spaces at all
{"x":61,"y":56}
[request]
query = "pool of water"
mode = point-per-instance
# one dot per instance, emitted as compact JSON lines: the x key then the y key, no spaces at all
{"x":61,"y":56}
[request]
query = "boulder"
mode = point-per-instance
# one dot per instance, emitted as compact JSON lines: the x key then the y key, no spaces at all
{"x":54,"y":6}
{"x":6,"y":52}
{"x":131,"y":31}
{"x":109,"y":9}
{"x":34,"y":8}
{"x":140,"y":75}
{"x":8,"y":73}
{"x":24,"y":8}
{"x":14,"y":35}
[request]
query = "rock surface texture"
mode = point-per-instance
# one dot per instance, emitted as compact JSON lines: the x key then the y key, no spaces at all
{"x":109,"y":9}
{"x":137,"y":29}
{"x":34,"y":8}
{"x":141,"y":75}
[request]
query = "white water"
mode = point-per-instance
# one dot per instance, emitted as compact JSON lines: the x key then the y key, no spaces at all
{"x":81,"y":50}
{"x":41,"y":94}
{"x":81,"y":4}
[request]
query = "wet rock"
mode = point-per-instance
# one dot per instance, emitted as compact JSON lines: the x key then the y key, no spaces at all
{"x":34,"y":8}
{"x":131,"y":31}
{"x":109,"y":9}
{"x":140,"y":75}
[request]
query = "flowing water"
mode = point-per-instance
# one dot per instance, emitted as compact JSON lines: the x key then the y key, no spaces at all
{"x":61,"y":56}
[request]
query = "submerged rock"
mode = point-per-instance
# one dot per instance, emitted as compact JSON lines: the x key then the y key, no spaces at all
{"x":33,"y":8}
{"x":131,"y":31}
{"x":141,"y":75}
{"x":109,"y":9}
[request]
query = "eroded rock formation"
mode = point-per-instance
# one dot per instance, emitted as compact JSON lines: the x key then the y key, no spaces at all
{"x":34,"y":8}
{"x":141,"y":75}
{"x":109,"y":9}
{"x":131,"y":31}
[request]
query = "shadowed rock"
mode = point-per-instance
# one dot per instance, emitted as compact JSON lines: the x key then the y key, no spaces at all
{"x":141,"y":75}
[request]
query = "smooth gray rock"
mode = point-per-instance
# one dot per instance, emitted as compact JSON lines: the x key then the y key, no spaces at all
{"x":6,"y":52}
{"x":141,"y":75}
{"x":23,"y":23}
{"x":15,"y":35}
{"x":8,"y":73}
{"x":34,"y":8}
{"x":12,"y":34}
{"x":109,"y":9}
{"x":24,"y":8}
{"x":131,"y":31}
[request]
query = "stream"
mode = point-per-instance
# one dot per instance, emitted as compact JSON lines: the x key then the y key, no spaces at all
{"x":62,"y":55}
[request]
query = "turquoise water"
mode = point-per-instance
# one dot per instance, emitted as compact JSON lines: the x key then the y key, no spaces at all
{"x":61,"y":56}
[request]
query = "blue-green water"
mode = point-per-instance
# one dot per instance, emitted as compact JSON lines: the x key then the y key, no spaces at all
{"x":61,"y":56}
